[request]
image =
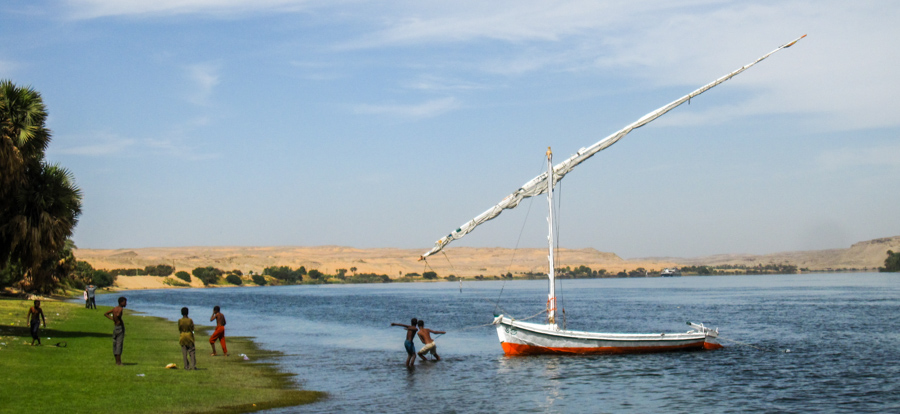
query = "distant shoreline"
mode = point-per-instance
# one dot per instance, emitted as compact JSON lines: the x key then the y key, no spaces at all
{"x":465,"y":262}
{"x":126,"y":283}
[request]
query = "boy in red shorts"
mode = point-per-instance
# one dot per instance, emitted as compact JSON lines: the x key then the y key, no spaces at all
{"x":219,"y":333}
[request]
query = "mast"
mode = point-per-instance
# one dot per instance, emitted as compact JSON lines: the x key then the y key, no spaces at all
{"x":551,"y":274}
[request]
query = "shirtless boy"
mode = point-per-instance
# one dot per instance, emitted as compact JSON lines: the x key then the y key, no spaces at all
{"x":219,"y":333}
{"x":115,"y":315}
{"x":410,"y":347}
{"x":430,"y":346}
{"x":34,"y":318}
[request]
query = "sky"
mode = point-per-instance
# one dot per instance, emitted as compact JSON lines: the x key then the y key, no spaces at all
{"x":389,"y":124}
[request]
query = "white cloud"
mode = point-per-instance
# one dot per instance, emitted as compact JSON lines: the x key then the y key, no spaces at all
{"x":423,"y":110}
{"x":94,"y":144}
{"x":877,"y":156}
{"x":319,"y":71}
{"x":108,"y":144}
{"x":514,"y":21}
{"x":842,"y":74}
{"x":439,"y":83}
{"x":840,"y":77}
{"x":205,"y":78}
{"x":91,"y":9}
{"x":7,"y":67}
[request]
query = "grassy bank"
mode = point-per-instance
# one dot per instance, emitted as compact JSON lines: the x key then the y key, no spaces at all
{"x":80,"y":375}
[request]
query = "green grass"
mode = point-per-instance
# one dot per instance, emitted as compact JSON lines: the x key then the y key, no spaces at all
{"x":82,"y":376}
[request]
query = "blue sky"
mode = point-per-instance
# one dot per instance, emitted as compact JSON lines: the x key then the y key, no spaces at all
{"x":388,"y":124}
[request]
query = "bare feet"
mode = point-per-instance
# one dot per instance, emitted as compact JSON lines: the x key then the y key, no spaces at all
{"x":213,"y":354}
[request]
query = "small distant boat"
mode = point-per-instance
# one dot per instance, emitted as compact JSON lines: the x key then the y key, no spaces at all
{"x":525,"y":338}
{"x":670,"y":272}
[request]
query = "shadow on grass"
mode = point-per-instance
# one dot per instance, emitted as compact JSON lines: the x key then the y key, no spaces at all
{"x":25,"y":331}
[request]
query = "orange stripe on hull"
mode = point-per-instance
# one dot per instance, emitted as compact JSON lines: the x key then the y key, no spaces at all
{"x":512,"y":349}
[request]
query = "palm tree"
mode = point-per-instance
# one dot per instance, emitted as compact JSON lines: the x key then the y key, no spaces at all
{"x":39,"y":225}
{"x":22,"y":142}
{"x":23,"y":137}
{"x":39,"y":202}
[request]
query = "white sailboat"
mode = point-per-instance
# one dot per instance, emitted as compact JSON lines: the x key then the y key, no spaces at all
{"x":525,"y":338}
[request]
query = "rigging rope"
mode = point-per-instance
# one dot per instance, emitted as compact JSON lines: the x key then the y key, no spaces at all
{"x":558,"y":211}
{"x":451,"y":269}
{"x":518,"y":240}
{"x":496,"y":303}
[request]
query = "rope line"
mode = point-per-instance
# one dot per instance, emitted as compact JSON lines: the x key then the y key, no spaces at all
{"x":452,"y":269}
{"x":754,"y":346}
{"x":489,"y":324}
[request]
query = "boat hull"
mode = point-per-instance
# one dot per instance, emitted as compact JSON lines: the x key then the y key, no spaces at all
{"x":522,"y":338}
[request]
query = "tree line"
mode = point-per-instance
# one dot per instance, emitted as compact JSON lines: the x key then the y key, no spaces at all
{"x":152,"y":270}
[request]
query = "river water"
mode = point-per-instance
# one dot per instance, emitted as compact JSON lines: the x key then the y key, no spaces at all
{"x":820,"y":342}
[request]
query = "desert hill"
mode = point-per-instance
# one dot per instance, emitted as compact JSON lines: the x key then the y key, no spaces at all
{"x":863,"y":255}
{"x":460,"y":261}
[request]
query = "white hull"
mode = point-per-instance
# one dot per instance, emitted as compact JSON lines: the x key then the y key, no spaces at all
{"x":523,"y":338}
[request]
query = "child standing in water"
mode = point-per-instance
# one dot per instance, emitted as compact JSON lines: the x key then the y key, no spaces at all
{"x":430,"y":346}
{"x":408,"y":344}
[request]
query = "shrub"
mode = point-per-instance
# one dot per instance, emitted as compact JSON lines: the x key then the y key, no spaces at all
{"x":234,"y":279}
{"x":892,"y":263}
{"x":284,"y":273}
{"x":11,"y":273}
{"x":127,"y":272}
{"x":207,"y":274}
{"x":159,"y":270}
{"x":172,"y":282}
{"x":430,"y":275}
{"x":314,"y":274}
{"x":369,"y":278}
{"x":181,"y":274}
{"x":101,"y":278}
{"x":259,"y":280}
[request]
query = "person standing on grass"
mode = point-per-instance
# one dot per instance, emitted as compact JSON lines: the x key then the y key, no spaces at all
{"x":91,"y":296}
{"x":186,"y":339}
{"x":408,"y":344}
{"x":430,"y":346}
{"x":115,"y":315}
{"x":219,"y":333}
{"x":34,"y":318}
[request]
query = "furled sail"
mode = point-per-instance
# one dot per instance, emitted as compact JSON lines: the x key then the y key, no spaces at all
{"x":538,"y":185}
